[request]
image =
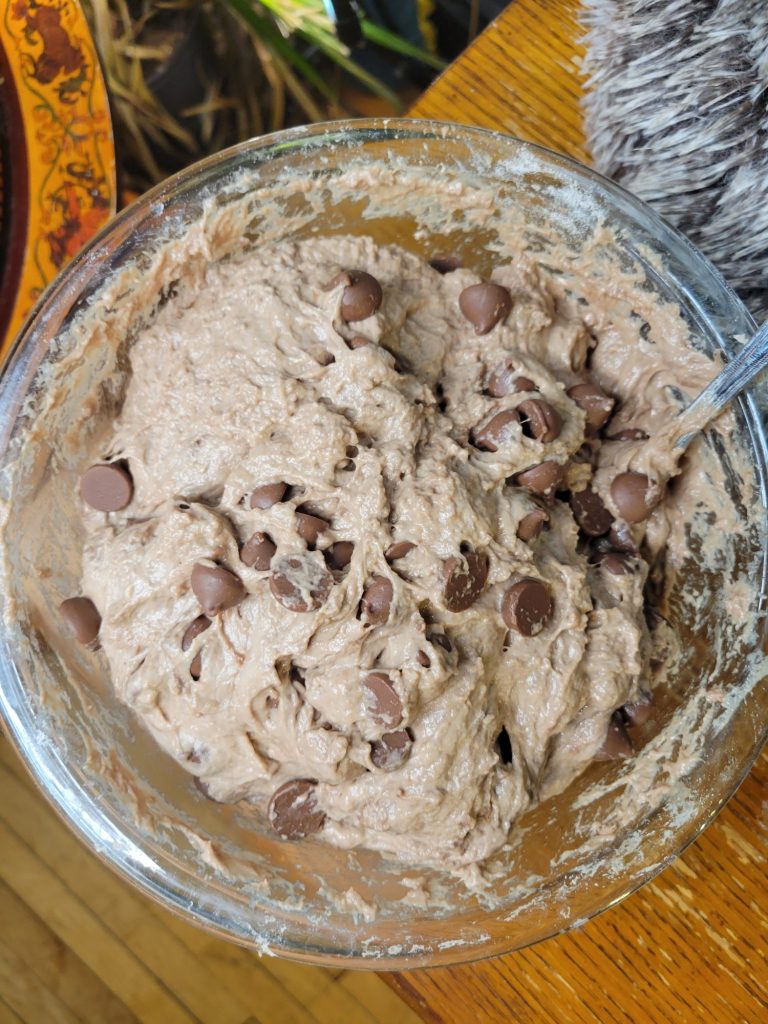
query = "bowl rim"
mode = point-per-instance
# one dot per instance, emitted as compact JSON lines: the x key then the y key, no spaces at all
{"x":121,"y":853}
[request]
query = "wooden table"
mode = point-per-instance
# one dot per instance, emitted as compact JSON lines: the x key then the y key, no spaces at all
{"x":691,"y":946}
{"x":78,"y":944}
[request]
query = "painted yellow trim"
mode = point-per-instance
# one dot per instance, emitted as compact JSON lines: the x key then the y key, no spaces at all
{"x":425,"y":9}
{"x":68,"y":138}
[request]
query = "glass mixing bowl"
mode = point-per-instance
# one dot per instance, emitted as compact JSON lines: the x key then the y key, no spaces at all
{"x":216,"y":865}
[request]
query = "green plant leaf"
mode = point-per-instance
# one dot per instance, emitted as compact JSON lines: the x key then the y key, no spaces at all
{"x":391,"y":41}
{"x":314,"y":26}
{"x":265,"y":28}
{"x":339,"y":54}
{"x":374,"y":84}
{"x":308,"y":20}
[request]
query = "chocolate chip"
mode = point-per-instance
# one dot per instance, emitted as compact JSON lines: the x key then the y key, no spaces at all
{"x":309,"y":527}
{"x":527,"y":606}
{"x":504,"y":746}
{"x":194,"y":629}
{"x":640,"y":711}
{"x":293,"y":811}
{"x":617,"y":743}
{"x":629,"y":492}
{"x":590,"y":512}
{"x":82,"y":618}
{"x":357,"y":341}
{"x":443,"y":263}
{"x":441,"y":640}
{"x":196,"y":667}
{"x":500,"y":383}
{"x":258,"y":551}
{"x":398,"y":550}
{"x":464,"y":580}
{"x":485,"y":305}
{"x":361,"y":297}
{"x":401,"y":366}
{"x":585,"y":455}
{"x":107,"y":487}
{"x":614,"y":562}
{"x":381,"y":700}
{"x":299,"y":584}
{"x":391,"y":750}
{"x":216,"y":588}
{"x":268,"y":495}
{"x":339,"y":555}
{"x":423,"y":659}
{"x":630,"y":434}
{"x":505,"y":380}
{"x":496,"y":432}
{"x":427,"y":612}
{"x":620,"y":537}
{"x":531,"y":525}
{"x":597,"y":405}
{"x":297,"y":675}
{"x":539,"y":420}
{"x":377,"y":599}
{"x":543,"y":478}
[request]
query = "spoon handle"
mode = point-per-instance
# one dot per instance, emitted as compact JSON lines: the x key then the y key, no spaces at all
{"x":733,"y":378}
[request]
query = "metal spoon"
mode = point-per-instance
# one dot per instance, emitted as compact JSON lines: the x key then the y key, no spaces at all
{"x":733,"y":378}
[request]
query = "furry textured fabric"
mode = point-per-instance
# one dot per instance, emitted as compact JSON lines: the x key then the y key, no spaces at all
{"x":677,"y":112}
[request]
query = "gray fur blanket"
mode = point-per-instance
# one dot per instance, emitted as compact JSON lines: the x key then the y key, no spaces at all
{"x":677,"y":112}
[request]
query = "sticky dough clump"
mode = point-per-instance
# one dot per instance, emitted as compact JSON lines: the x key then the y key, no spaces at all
{"x":361,"y":579}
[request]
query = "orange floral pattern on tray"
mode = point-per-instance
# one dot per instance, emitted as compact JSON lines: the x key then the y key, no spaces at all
{"x":67,"y":136}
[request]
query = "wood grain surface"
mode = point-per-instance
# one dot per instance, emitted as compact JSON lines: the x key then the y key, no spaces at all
{"x":78,"y":945}
{"x":520,"y":76}
{"x":691,"y":946}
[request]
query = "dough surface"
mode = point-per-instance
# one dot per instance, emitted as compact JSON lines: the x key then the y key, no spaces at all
{"x":249,"y":379}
